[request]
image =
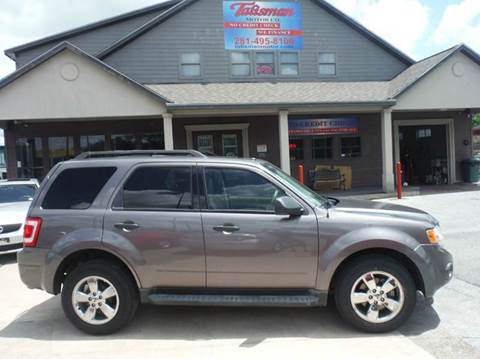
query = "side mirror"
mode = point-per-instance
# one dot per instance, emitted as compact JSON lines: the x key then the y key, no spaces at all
{"x":287,"y":206}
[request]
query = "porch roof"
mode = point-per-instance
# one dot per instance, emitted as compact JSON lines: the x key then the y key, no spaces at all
{"x":285,"y":93}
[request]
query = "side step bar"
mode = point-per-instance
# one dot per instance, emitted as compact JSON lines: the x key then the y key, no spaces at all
{"x":234,"y":300}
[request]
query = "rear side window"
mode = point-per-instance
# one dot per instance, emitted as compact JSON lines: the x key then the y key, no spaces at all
{"x":77,"y":188}
{"x":154,"y":188}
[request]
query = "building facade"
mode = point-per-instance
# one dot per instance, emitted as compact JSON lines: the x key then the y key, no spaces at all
{"x":293,"y":82}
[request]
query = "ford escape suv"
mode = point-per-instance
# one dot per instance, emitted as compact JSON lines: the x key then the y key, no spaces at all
{"x":114,"y":229}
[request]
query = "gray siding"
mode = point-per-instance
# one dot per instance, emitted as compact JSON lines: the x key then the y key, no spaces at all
{"x":91,"y":41}
{"x":153,"y":57}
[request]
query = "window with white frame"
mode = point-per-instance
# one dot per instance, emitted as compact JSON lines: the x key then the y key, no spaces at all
{"x":327,"y":64}
{"x":190,"y":65}
{"x":289,"y":64}
{"x":264,"y":63}
{"x":240,"y":63}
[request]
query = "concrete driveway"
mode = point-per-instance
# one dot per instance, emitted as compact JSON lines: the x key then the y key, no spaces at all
{"x":32,"y":324}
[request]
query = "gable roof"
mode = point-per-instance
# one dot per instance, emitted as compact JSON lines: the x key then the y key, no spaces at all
{"x":407,"y":78}
{"x":322,"y":3}
{"x":66,"y":45}
{"x":92,"y":26}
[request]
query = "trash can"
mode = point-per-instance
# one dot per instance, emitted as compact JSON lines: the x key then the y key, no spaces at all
{"x":471,"y":170}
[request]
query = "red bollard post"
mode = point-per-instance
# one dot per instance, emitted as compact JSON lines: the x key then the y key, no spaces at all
{"x":399,"y":179}
{"x":301,"y":174}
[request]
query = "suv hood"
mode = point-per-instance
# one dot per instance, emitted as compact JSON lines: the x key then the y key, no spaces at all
{"x":13,"y":213}
{"x":384,"y":209}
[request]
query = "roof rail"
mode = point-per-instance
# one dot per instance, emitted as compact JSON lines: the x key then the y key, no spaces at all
{"x":100,"y":154}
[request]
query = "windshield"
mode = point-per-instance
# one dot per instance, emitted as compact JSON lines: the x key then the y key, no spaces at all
{"x":301,"y":189}
{"x":16,"y":193}
{"x":2,"y":158}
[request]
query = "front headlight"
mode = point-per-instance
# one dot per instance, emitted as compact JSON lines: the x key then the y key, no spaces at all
{"x":434,"y":235}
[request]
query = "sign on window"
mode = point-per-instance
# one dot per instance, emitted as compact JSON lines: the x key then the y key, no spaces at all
{"x":324,"y":126}
{"x":253,"y":25}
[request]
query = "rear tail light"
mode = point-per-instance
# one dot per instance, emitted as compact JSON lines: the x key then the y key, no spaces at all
{"x":31,"y":231}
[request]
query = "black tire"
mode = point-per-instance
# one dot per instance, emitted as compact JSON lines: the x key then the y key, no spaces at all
{"x":357,"y":268}
{"x":124,"y":285}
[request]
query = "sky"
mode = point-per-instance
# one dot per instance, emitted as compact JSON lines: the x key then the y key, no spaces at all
{"x":417,"y":27}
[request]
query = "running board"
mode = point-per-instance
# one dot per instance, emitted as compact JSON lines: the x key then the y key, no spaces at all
{"x":248,"y":300}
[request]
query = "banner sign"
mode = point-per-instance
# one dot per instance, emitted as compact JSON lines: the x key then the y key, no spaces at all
{"x":256,"y":25}
{"x":324,"y":126}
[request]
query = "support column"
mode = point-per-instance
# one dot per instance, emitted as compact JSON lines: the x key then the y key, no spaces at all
{"x":168,"y":131}
{"x":284,"y":141}
{"x":388,"y":182}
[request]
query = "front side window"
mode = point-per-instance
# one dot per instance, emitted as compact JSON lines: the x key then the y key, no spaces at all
{"x":190,"y":65}
{"x":77,"y":188}
{"x":351,"y":147}
{"x":289,"y":64}
{"x":240,"y":62}
{"x":322,"y":148}
{"x":327,"y":64}
{"x":157,"y":188}
{"x":231,"y":189}
{"x":265,"y":63}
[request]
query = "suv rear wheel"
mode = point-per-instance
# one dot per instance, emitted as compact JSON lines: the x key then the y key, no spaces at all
{"x":375,"y":294}
{"x":99,"y":298}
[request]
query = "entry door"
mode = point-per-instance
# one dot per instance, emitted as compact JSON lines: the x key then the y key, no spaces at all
{"x":247,"y":244}
{"x":155,"y":222}
{"x":424,"y":154}
{"x":219,"y":143}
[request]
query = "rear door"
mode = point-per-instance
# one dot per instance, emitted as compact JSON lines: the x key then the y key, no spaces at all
{"x":155,"y":221}
{"x":247,"y":244}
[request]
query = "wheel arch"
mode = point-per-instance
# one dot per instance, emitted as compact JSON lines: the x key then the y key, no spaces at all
{"x":402,"y":258}
{"x":74,"y":259}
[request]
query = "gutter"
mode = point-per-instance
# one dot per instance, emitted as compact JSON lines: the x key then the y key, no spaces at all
{"x":281,"y":105}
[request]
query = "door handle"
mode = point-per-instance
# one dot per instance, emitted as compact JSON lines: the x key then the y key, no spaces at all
{"x":226,"y":228}
{"x":126,"y":226}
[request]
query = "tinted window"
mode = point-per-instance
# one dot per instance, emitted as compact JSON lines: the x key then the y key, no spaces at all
{"x":159,"y":188}
{"x":77,"y":188}
{"x":351,"y":147}
{"x":239,"y":190}
{"x":17,"y":193}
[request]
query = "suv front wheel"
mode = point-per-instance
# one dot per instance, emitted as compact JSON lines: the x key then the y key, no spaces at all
{"x":375,"y":294}
{"x":99,"y":298}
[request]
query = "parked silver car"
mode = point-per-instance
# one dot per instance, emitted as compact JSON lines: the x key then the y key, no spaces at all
{"x":111,"y":230}
{"x":15,"y":199}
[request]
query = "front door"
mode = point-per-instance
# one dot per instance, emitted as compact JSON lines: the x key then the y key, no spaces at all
{"x":219,"y":143}
{"x":247,"y":244}
{"x":156,"y":222}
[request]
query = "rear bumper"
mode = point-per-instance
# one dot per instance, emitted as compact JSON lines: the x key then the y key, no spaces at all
{"x":438,"y":268}
{"x":33,"y":268}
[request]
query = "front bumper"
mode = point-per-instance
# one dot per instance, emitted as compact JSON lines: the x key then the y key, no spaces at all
{"x":438,"y":268}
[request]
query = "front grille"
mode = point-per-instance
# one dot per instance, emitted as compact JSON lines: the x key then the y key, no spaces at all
{"x":8,"y":228}
{"x":10,"y":247}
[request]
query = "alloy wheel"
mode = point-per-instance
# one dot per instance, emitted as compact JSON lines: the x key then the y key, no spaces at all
{"x":95,"y":300}
{"x":377,"y":297}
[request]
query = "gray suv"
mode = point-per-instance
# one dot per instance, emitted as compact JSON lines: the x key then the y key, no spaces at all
{"x":112,"y":230}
